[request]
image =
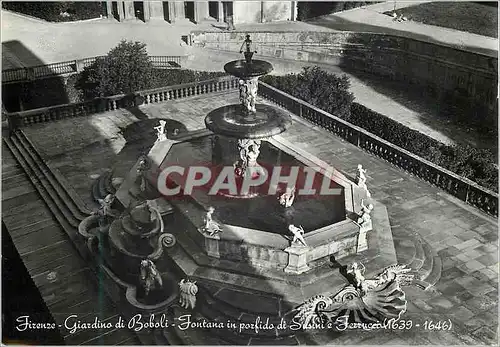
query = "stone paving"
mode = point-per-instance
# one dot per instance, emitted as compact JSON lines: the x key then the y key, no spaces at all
{"x":465,"y":239}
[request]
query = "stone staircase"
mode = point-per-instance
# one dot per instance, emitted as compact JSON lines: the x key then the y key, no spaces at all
{"x":64,"y":203}
{"x":421,"y":258}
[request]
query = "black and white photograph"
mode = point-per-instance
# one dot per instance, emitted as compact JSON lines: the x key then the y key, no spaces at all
{"x":250,"y":173}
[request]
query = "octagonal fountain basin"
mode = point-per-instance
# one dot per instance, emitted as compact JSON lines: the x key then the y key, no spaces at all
{"x":241,"y":69}
{"x":262,"y":211}
{"x":233,"y":121}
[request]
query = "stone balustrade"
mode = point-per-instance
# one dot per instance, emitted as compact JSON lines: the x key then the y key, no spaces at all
{"x":74,"y":66}
{"x":459,"y":187}
{"x":53,"y":113}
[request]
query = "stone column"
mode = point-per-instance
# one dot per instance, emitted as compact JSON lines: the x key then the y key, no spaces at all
{"x":201,"y":12}
{"x":220,"y":8}
{"x":129,"y":10}
{"x":178,"y":14}
{"x":109,"y":9}
{"x":155,"y":10}
{"x":294,"y":11}
{"x":146,"y":8}
{"x":121,"y":14}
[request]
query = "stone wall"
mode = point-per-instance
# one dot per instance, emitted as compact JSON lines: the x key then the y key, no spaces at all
{"x":429,"y":65}
{"x":263,"y":11}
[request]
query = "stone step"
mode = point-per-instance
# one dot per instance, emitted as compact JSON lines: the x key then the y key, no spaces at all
{"x":32,"y":168}
{"x":69,"y":229}
{"x":426,"y":268}
{"x":74,"y":203}
{"x":405,"y":250}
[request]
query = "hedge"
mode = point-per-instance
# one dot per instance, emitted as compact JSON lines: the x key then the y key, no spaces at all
{"x":51,"y":11}
{"x":478,"y":165}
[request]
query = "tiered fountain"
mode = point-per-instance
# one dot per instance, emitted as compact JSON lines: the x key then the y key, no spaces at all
{"x":252,"y":255}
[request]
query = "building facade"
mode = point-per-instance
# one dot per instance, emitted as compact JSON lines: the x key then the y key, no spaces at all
{"x":200,"y":11}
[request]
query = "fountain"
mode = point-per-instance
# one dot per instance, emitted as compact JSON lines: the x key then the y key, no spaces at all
{"x":244,"y":251}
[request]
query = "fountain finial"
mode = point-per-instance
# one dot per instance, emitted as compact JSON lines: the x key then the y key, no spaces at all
{"x":248,"y":49}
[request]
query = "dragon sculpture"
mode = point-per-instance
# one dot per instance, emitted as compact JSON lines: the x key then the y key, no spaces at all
{"x":366,"y":300}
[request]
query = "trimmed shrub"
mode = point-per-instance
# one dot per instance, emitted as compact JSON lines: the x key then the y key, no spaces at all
{"x":125,"y":69}
{"x":478,"y":165}
{"x":310,"y":85}
{"x":51,"y":11}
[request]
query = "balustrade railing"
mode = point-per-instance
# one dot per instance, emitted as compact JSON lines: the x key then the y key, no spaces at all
{"x":73,"y":66}
{"x":53,"y":113}
{"x":460,"y":187}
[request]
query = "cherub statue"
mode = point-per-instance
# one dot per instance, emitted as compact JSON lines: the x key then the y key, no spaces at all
{"x":287,"y":198}
{"x":160,"y":131}
{"x":249,"y":152}
{"x":243,"y":92}
{"x":361,"y":177}
{"x":188,"y":291}
{"x":105,"y":212}
{"x":150,"y":277}
{"x":397,"y":273}
{"x":248,"y":49}
{"x":298,"y":234}
{"x":357,"y":270}
{"x":142,"y":168}
{"x":364,"y":217}
{"x":211,"y":226}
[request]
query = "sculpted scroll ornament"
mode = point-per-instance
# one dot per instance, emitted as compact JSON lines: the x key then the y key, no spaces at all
{"x":367,"y":300}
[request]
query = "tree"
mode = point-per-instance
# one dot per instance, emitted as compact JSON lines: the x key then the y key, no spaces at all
{"x":125,"y":69}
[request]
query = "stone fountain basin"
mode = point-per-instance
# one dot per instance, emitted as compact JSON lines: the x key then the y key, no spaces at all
{"x":254,"y":231}
{"x":241,"y":69}
{"x":261,"y":248}
{"x":233,"y":121}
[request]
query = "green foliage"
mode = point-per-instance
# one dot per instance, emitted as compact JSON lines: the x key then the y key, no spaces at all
{"x":125,"y":69}
{"x":318,"y":87}
{"x":478,"y":165}
{"x":51,"y":11}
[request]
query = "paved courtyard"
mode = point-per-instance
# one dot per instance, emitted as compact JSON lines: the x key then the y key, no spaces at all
{"x":465,"y":239}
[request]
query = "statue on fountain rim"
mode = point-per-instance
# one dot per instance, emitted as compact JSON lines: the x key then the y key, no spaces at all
{"x":298,"y":235}
{"x":142,"y":168}
{"x":364,"y":218}
{"x":105,"y":213}
{"x":211,"y":227}
{"x":249,"y":152}
{"x":161,"y":133}
{"x":287,"y":198}
{"x":150,"y":276}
